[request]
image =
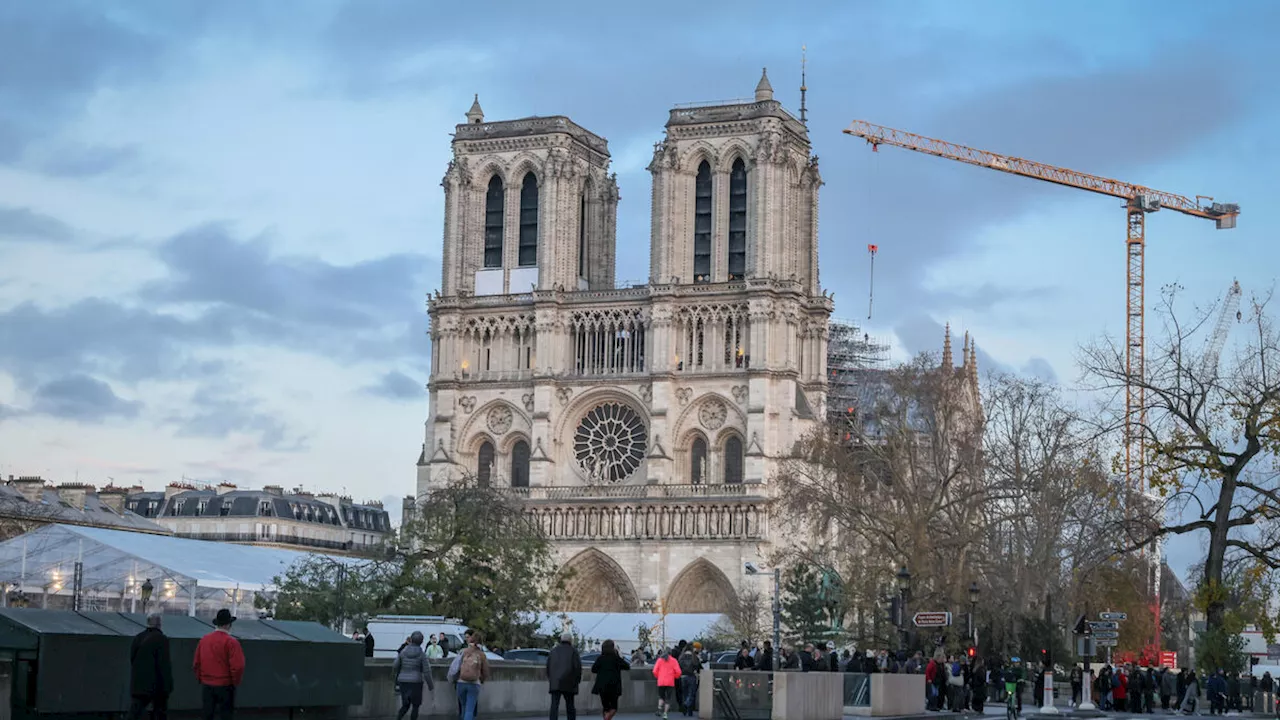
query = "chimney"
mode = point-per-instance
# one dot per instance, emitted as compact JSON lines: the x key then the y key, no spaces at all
{"x":174,"y":488}
{"x":30,"y":487}
{"x":113,"y":497}
{"x":225,"y":487}
{"x":375,"y":504}
{"x":73,"y":494}
{"x":273,"y":490}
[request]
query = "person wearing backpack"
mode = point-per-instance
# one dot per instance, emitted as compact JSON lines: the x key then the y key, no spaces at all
{"x":472,"y":672}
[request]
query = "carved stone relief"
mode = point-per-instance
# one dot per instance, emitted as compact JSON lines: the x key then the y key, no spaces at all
{"x":500,"y":419}
{"x":684,"y":395}
{"x":712,"y":414}
{"x":740,"y":393}
{"x":468,"y":402}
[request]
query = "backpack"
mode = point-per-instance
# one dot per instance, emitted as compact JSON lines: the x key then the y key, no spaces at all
{"x":470,"y":668}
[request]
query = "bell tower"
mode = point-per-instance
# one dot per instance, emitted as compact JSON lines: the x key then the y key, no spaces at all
{"x":735,"y":195}
{"x":529,"y":205}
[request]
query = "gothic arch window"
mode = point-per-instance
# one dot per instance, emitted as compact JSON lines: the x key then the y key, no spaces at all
{"x":738,"y":220}
{"x":484,"y":464}
{"x":520,"y":464}
{"x":528,"y":253}
{"x":733,"y":460}
{"x":698,"y":461}
{"x":493,"y":224}
{"x":582,"y":235}
{"x":702,"y":224}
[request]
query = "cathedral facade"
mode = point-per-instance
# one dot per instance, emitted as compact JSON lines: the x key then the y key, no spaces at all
{"x":640,"y":425}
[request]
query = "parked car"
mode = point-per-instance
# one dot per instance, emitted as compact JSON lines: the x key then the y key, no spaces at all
{"x":589,"y":658}
{"x":528,"y":655}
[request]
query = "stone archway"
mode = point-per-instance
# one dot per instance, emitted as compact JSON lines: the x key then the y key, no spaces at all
{"x":594,"y":582}
{"x":701,"y":588}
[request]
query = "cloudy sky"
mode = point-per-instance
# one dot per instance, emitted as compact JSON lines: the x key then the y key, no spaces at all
{"x":219,"y":221}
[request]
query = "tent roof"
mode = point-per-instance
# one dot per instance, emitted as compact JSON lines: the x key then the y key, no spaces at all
{"x":111,"y":558}
{"x":622,"y":626}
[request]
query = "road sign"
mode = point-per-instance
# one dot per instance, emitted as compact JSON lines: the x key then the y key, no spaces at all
{"x":1107,"y":643}
{"x":1114,"y":616}
{"x":1169,"y":658}
{"x":1106,"y":635}
{"x":932,"y":619}
{"x":1104,"y":625}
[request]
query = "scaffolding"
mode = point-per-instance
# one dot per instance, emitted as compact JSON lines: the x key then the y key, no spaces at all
{"x":95,"y":569}
{"x":850,"y":352}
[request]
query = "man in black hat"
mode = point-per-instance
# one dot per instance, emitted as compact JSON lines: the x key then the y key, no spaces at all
{"x":151,"y":676}
{"x":219,"y":667}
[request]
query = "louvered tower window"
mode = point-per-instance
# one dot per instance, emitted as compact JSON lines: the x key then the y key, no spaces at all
{"x":702,"y":224}
{"x":493,"y":224}
{"x":738,"y":220}
{"x":528,"y":256}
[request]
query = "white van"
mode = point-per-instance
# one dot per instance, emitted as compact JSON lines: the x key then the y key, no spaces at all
{"x":391,"y":631}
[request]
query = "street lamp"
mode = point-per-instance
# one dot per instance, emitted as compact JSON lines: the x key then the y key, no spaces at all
{"x":973,"y":609}
{"x":753,"y":569}
{"x":904,"y":595}
{"x":146,"y":589}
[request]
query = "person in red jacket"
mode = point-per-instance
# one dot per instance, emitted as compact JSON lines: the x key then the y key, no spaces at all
{"x":219,"y":666}
{"x":667,"y":670}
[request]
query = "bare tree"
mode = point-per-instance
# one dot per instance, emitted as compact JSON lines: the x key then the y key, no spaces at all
{"x":897,"y":482}
{"x":1210,"y":436}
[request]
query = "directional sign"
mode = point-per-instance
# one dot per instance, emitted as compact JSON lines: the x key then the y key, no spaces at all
{"x":1106,"y":635}
{"x":1104,"y":625}
{"x":1169,"y":658}
{"x":1107,"y":643}
{"x":1114,"y":616}
{"x":932,"y":619}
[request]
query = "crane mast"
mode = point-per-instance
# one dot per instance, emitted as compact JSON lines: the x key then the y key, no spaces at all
{"x":1213,"y":346}
{"x":1139,"y":201}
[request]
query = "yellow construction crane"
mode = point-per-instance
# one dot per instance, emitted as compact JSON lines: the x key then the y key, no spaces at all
{"x":1139,"y":201}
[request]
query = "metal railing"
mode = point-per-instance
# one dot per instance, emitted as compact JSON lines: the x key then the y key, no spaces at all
{"x":587,"y":492}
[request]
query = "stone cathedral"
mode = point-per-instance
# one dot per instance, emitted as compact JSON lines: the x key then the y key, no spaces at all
{"x":639,"y":424}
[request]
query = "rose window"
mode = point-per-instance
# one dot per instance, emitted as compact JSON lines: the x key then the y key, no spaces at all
{"x":610,"y":443}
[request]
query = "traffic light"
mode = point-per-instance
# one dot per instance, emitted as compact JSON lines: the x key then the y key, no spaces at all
{"x":1044,"y":657}
{"x":971,"y":652}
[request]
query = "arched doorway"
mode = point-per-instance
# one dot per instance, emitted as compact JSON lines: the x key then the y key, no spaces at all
{"x":700,"y":588}
{"x":594,"y":582}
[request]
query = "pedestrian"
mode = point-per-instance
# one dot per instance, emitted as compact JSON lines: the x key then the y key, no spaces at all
{"x":368,"y":643}
{"x":743,"y":660}
{"x":151,"y":673}
{"x":564,"y":674}
{"x":690,"y":666}
{"x":1191,"y":692}
{"x":1077,"y":684}
{"x":1267,"y":686}
{"x":472,"y":671}
{"x":608,"y":669}
{"x":433,"y":649}
{"x":411,"y":669}
{"x":833,"y":658}
{"x":1168,"y":687}
{"x":764,"y":659}
{"x":978,"y":685}
{"x":667,"y":670}
{"x":219,"y":667}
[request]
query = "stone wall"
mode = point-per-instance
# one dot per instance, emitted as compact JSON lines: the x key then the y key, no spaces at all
{"x":513,"y":690}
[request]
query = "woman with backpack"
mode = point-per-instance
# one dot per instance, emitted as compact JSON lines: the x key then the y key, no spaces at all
{"x":608,"y":669}
{"x":473,"y":671}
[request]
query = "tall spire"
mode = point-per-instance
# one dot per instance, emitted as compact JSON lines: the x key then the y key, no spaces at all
{"x":946,"y":349}
{"x":973,"y":361}
{"x":964,"y":353}
{"x":764,"y":91}
{"x":804,"y":61}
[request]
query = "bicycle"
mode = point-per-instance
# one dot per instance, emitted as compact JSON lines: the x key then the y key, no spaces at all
{"x":1011,"y":700}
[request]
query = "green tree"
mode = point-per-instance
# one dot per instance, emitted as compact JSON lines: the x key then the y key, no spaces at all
{"x":469,"y":552}
{"x":811,"y":604}
{"x":327,"y":590}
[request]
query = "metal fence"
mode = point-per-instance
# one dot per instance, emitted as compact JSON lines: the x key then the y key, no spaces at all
{"x":857,"y":690}
{"x":742,"y":695}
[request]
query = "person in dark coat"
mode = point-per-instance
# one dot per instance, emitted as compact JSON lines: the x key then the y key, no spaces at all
{"x":410,"y":670}
{"x":151,"y":676}
{"x":564,"y":674}
{"x":368,"y":643}
{"x":608,"y":669}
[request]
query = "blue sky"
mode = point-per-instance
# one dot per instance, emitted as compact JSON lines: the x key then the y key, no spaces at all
{"x":219,"y":221}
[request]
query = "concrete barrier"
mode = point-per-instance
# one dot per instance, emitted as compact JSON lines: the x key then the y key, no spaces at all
{"x":513,"y":690}
{"x":893,"y":694}
{"x":809,"y":696}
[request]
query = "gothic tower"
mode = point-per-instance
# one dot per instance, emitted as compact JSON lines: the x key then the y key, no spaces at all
{"x":735,"y":196}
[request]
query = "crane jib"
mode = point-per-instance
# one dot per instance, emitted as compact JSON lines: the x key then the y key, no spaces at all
{"x":1150,"y":199}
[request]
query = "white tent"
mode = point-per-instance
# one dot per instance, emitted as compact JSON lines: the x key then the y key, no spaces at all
{"x":191,"y":576}
{"x":622,"y":628}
